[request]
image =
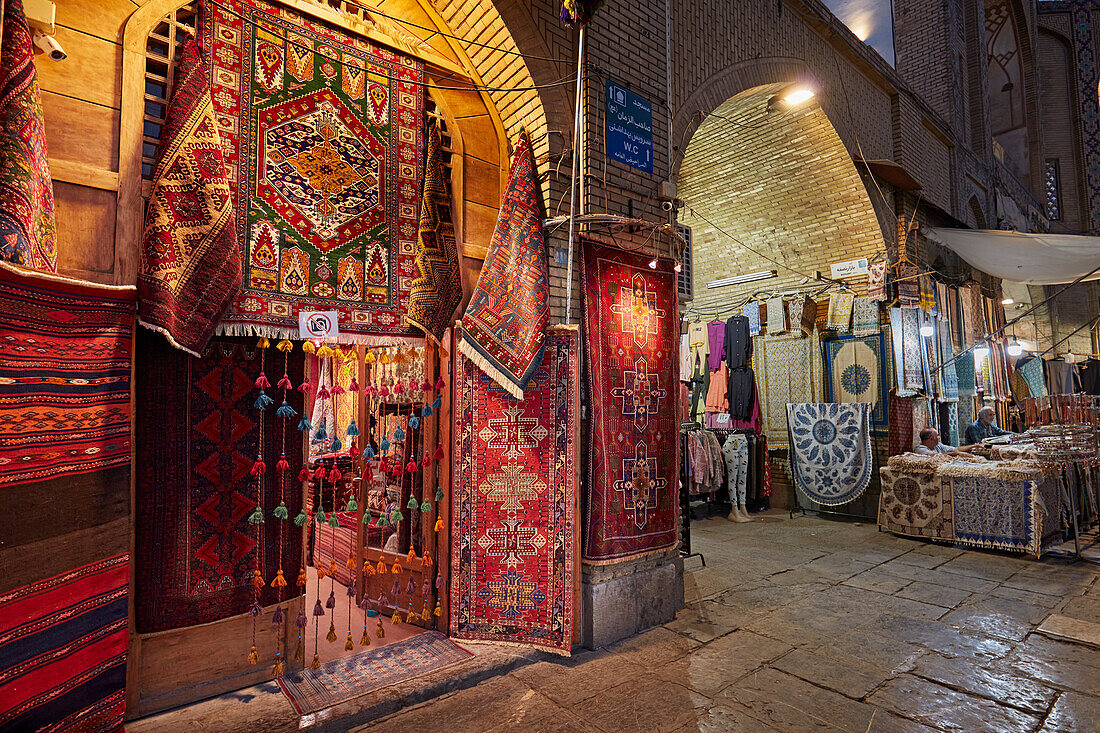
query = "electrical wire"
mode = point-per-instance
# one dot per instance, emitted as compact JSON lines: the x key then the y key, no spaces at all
{"x":467,"y":86}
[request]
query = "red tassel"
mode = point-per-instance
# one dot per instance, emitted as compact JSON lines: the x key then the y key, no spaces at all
{"x":370,"y":391}
{"x":426,"y":385}
{"x":396,"y":470}
{"x":319,"y":474}
{"x":354,"y":451}
{"x":438,"y":454}
{"x":354,"y":386}
{"x":399,"y":388}
{"x":259,"y":467}
{"x":427,"y":459}
{"x":368,"y":472}
{"x":303,"y":475}
{"x":413,"y":384}
{"x":411,"y":467}
{"x":384,"y":465}
{"x":336,"y":390}
{"x":282,"y":465}
{"x":261,"y":381}
{"x":334,"y":475}
{"x":323,"y":394}
{"x":305,"y":386}
{"x":284,"y":383}
{"x":440,"y":383}
{"x":384,"y":392}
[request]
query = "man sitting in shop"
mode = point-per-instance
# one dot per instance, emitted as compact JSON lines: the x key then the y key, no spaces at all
{"x":930,"y":444}
{"x":983,"y":427}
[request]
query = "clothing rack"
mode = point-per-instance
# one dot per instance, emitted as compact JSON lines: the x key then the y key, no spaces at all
{"x":685,"y":497}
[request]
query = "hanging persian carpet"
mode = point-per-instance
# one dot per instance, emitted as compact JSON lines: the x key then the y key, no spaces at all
{"x":504,"y":325}
{"x":27,"y":228}
{"x":855,"y":371}
{"x":63,"y":645}
{"x":787,"y":369}
{"x":190,"y":267}
{"x":323,"y":132}
{"x":514,"y":507}
{"x":196,"y":486}
{"x":908,"y":350}
{"x":915,"y":503}
{"x":1000,"y":510}
{"x":830,"y":451}
{"x":631,"y":333}
{"x":436,"y":288}
{"x":65,"y":365}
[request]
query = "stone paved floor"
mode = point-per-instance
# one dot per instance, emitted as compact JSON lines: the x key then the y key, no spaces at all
{"x":807,"y":624}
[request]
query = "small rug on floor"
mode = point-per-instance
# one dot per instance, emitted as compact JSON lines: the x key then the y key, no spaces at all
{"x":344,"y":679}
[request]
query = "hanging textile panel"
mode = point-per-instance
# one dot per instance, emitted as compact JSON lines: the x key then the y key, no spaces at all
{"x":855,"y":371}
{"x":949,"y":377}
{"x":787,"y":369}
{"x":436,"y":288}
{"x":195,"y":547}
{"x":839,"y":316}
{"x":903,"y":431}
{"x":63,"y":645}
{"x":995,"y":511}
{"x":865,"y":320}
{"x":908,"y":350}
{"x":915,"y":504}
{"x":751,"y":310}
{"x":65,"y":355}
{"x":514,"y":512}
{"x":28,"y":233}
{"x":505,"y":322}
{"x":830,"y":450}
{"x":190,"y":269}
{"x":324,"y":136}
{"x":630,"y":327}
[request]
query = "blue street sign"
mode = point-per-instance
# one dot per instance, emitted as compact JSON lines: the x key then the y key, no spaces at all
{"x":629,"y":128}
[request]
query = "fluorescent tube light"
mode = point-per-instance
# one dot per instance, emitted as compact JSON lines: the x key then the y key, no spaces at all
{"x":738,"y":279}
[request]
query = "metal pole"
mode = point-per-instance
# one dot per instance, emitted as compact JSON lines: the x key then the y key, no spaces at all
{"x":578,"y":137}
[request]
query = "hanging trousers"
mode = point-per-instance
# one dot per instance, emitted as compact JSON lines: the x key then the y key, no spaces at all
{"x":736,"y":453}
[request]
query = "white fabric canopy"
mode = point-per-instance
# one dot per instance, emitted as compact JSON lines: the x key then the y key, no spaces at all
{"x":1035,"y":259}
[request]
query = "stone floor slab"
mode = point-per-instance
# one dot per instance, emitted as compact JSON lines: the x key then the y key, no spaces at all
{"x":934,"y":594}
{"x":1072,"y":713}
{"x":832,"y":669}
{"x":1001,"y":686}
{"x":1073,"y":630}
{"x":949,"y":710}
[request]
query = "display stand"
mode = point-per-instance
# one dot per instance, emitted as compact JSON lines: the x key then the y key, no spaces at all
{"x":685,"y":501}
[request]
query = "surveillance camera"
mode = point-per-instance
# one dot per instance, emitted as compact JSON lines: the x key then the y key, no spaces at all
{"x":50,"y":46}
{"x":666,"y":205}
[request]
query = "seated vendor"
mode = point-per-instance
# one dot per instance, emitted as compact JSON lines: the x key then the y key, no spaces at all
{"x":930,"y":444}
{"x":983,"y":427}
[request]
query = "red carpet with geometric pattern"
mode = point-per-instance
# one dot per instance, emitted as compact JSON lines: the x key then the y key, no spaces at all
{"x":514,"y":563}
{"x":632,"y":332}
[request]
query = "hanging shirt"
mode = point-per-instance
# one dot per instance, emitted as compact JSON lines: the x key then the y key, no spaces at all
{"x":697,"y":342}
{"x":716,"y":394}
{"x":685,"y":359}
{"x":716,"y":335}
{"x":742,"y":393}
{"x":738,"y":342}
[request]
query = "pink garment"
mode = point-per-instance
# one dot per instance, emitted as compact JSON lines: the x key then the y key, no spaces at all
{"x":717,"y":460}
{"x":685,"y":402}
{"x":700,"y":461}
{"x":716,"y":332}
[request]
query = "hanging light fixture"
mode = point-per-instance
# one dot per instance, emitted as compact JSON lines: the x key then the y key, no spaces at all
{"x":1007,"y":301}
{"x":653,"y":264}
{"x":926,"y":329}
{"x":1014,"y":348}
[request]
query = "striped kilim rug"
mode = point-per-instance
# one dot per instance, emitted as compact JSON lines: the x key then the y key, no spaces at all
{"x":344,"y":679}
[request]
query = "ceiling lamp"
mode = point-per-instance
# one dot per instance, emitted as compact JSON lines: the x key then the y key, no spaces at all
{"x":1007,"y":301}
{"x":653,"y":264}
{"x":738,"y":279}
{"x":1014,"y":348}
{"x":797,"y":95}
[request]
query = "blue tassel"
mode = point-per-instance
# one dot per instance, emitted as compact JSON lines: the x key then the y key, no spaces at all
{"x":263,"y":401}
{"x":427,"y":411}
{"x":385,"y":444}
{"x":353,"y":429}
{"x":285,"y":410}
{"x":414,"y":422}
{"x":321,"y":435}
{"x":336,"y":445}
{"x":437,"y":402}
{"x":305,"y":424}
{"x":369,"y":453}
{"x":399,"y":434}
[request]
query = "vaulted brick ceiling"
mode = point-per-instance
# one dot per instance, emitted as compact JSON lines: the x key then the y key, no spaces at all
{"x":780,"y":182}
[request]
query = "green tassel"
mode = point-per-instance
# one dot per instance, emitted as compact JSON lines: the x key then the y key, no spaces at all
{"x":366,"y":517}
{"x":301,"y":518}
{"x":281,"y":511}
{"x":426,"y":506}
{"x":353,"y":505}
{"x":332,"y":520}
{"x":257,"y":516}
{"x":413,"y":503}
{"x":438,"y":494}
{"x":382,"y":521}
{"x":321,"y":516}
{"x":396,"y":517}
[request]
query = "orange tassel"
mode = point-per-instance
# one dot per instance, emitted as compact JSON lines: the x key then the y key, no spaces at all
{"x":381,"y":566}
{"x":427,"y":561}
{"x":412,"y":556}
{"x":396,"y":567}
{"x":316,"y":664}
{"x":380,"y":631}
{"x":438,"y":608}
{"x":439,"y":525}
{"x":321,"y":573}
{"x":331,"y":635}
{"x":410,"y":618}
{"x":396,"y":618}
{"x":302,"y":578}
{"x":368,"y":568}
{"x":332,"y":568}
{"x":280,"y":581}
{"x":277,"y":670}
{"x":257,"y":580}
{"x":425,"y":614}
{"x":364,"y":640}
{"x":253,"y":656}
{"x":351,"y":563}
{"x":349,"y":644}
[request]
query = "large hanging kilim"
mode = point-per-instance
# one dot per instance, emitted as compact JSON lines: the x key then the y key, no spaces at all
{"x":27,"y":229}
{"x":915,"y":505}
{"x":195,"y":547}
{"x":65,"y":350}
{"x":350,"y":677}
{"x":830,"y":450}
{"x":514,"y":506}
{"x":902,"y":417}
{"x":324,"y":136}
{"x":631,"y":332}
{"x":855,"y":371}
{"x":504,"y":325}
{"x":190,"y":267}
{"x":63,"y":644}
{"x":908,"y":351}
{"x":436,"y":288}
{"x":787,"y":369}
